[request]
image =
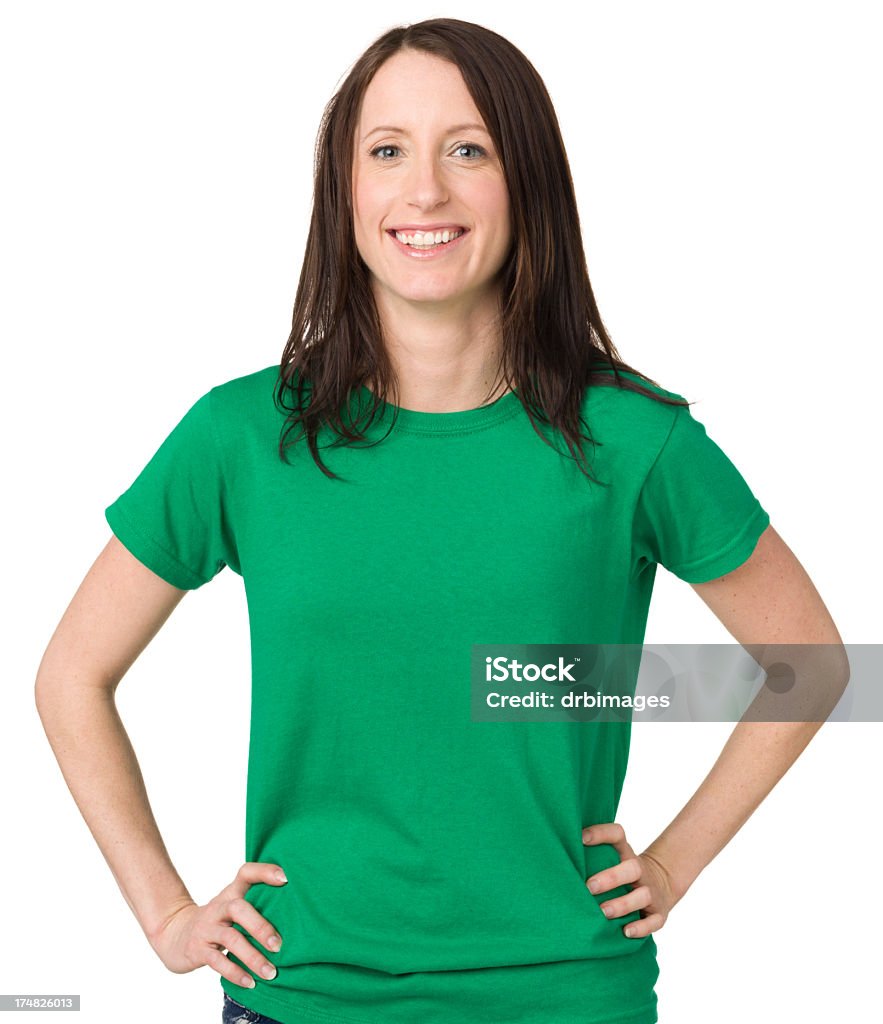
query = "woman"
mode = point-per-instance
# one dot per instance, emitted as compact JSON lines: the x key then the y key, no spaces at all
{"x":409,"y":482}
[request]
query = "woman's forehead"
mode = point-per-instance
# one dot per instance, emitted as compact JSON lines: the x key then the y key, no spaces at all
{"x":412,"y":90}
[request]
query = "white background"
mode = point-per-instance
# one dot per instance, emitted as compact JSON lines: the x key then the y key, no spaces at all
{"x":156,"y":185}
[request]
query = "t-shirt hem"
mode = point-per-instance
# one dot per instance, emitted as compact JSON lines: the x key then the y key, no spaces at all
{"x":148,"y":552}
{"x":721,"y":562}
{"x":269,"y":1006}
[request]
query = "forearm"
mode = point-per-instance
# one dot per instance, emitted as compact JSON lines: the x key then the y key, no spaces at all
{"x":99,"y":765}
{"x":754,"y":758}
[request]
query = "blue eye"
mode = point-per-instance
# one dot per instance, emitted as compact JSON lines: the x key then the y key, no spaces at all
{"x":463,"y":145}
{"x":374,"y":152}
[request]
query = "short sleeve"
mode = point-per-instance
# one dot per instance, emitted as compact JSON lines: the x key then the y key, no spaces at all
{"x":696,"y":514}
{"x":174,"y":518}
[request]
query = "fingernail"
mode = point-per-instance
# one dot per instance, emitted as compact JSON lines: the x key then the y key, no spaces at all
{"x":274,"y":942}
{"x":594,"y":886}
{"x":280,"y":876}
{"x":269,"y":971}
{"x":587,"y":837}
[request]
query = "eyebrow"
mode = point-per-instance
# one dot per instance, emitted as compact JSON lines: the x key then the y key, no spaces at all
{"x":452,"y":130}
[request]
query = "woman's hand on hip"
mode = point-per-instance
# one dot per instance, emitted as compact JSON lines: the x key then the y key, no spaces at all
{"x":652,"y":893}
{"x":194,"y":936}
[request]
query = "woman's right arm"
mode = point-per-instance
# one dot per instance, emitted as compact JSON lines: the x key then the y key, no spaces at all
{"x":117,"y":610}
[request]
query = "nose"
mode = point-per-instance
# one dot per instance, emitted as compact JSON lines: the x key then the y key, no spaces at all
{"x":426,"y":186}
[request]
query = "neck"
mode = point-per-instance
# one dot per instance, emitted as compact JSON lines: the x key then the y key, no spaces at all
{"x":444,"y":359}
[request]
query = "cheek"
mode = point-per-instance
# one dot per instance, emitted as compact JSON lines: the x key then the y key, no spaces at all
{"x":361,"y":218}
{"x":495,"y":207}
{"x":368,"y":209}
{"x":503,"y":222}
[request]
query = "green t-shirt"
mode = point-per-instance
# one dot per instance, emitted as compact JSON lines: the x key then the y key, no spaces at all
{"x":435,"y":863}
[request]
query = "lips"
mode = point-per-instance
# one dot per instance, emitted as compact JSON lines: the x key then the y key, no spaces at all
{"x":437,"y":252}
{"x":410,"y":228}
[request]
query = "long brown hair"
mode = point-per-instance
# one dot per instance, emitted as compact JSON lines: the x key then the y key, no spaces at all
{"x":554,"y":342}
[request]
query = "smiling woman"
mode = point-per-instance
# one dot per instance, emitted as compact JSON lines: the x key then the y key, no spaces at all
{"x":406,"y":863}
{"x":427,"y":133}
{"x":417,"y":186}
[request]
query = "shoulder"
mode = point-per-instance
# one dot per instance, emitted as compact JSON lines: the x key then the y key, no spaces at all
{"x":636,"y":422}
{"x":249,"y":396}
{"x":242,"y":407}
{"x":626,"y":394}
{"x":246,"y":387}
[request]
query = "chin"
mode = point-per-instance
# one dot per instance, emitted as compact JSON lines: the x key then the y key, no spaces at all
{"x":433,"y":298}
{"x":428,"y":294}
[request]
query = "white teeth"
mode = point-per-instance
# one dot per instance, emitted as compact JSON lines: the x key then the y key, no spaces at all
{"x":426,"y":239}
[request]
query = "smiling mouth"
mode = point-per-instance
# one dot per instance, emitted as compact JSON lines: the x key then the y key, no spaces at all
{"x":421,"y":247}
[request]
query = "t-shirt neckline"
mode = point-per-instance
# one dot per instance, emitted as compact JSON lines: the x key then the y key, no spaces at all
{"x":417,"y":422}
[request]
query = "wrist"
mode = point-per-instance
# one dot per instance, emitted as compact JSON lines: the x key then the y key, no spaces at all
{"x":156,"y":924}
{"x":679,"y":879}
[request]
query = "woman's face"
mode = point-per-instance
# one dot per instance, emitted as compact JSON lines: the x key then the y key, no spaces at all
{"x":423,"y":159}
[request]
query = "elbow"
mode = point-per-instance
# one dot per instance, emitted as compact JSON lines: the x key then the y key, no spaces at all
{"x":41,"y":692}
{"x":47,"y":695}
{"x":832,"y":676}
{"x":838,"y":668}
{"x":59,"y":693}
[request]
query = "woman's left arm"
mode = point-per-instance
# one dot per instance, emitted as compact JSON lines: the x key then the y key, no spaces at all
{"x":769,"y":599}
